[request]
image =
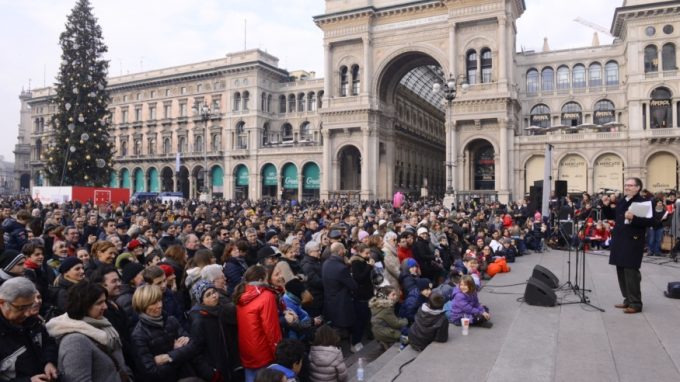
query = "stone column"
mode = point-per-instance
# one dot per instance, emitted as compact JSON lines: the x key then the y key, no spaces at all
{"x":453,"y":156}
{"x":326,"y":165}
{"x":175,"y":180}
{"x":502,"y":50}
{"x":674,"y":108}
{"x":452,"y":49}
{"x":328,"y":65}
{"x":300,"y":186}
{"x":504,"y":158}
{"x":192,"y":192}
{"x":365,"y":155}
{"x":368,"y":65}
{"x":648,"y":117}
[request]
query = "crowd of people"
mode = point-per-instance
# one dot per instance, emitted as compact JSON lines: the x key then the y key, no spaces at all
{"x":228,"y":291}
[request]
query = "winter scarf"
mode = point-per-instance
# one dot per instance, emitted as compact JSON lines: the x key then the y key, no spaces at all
{"x":100,"y":331}
{"x":152,"y":321}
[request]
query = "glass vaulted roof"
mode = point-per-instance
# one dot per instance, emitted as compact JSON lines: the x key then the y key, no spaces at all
{"x":420,"y":81}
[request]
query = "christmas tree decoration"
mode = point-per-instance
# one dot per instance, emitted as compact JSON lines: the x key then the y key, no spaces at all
{"x":81,"y":80}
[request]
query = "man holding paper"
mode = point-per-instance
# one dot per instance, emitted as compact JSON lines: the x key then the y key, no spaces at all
{"x":633,"y":215}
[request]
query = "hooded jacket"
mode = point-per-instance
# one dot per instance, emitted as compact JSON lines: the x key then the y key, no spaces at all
{"x":385,"y":324}
{"x":25,"y":349}
{"x":326,"y":364}
{"x":258,"y":330}
{"x":464,"y":303}
{"x":430,"y":325}
{"x":15,"y":234}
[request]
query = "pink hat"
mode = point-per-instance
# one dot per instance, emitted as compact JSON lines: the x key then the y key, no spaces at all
{"x":362,"y":235}
{"x":537,"y":216}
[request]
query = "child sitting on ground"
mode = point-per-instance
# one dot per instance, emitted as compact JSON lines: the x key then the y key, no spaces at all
{"x":508,"y":250}
{"x":415,"y":298}
{"x":466,"y":303}
{"x":446,"y":288}
{"x":386,"y":326}
{"x":325,"y":357}
{"x":410,"y":272}
{"x":430,"y":324}
{"x":471,"y":265}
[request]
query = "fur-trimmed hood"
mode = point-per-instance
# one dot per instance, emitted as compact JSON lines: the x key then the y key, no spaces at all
{"x":380,"y":303}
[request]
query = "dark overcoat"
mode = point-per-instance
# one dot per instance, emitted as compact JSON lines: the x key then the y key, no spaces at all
{"x":628,"y":240}
{"x":338,"y":287}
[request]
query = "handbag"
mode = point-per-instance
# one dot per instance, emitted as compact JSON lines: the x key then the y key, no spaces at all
{"x":666,"y":243}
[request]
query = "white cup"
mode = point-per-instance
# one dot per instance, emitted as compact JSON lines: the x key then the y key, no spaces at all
{"x":465,"y":324}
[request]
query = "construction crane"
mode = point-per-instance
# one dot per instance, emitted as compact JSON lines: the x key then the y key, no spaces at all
{"x":594,"y":26}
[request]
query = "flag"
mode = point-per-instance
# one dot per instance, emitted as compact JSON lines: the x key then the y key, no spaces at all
{"x":177,"y":160}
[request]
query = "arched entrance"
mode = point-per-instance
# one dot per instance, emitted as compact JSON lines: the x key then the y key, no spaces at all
{"x":241,"y":182}
{"x":482,"y":166}
{"x":270,"y":181}
{"x":24,"y":182}
{"x":139,"y":180}
{"x":349,"y":159}
{"x":217,"y":181}
{"x":662,"y":172}
{"x":198,"y":175}
{"x":574,"y":169}
{"x":125,"y":178}
{"x":311,"y":181}
{"x":290,"y":181}
{"x":153,"y":180}
{"x":183,"y":182}
{"x":413,"y":158}
{"x":608,"y":173}
{"x":533,"y":171}
{"x":167,"y":183}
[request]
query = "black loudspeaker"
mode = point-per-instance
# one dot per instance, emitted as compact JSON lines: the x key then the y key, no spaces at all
{"x":537,"y":293}
{"x":560,"y":188}
{"x":567,"y":228}
{"x":545,"y":276}
{"x":536,"y":197}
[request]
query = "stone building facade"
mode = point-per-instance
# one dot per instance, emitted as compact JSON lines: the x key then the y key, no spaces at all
{"x":374,"y":123}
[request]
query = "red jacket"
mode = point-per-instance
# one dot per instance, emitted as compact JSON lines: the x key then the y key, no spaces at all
{"x":258,"y":326}
{"x":404,"y":253}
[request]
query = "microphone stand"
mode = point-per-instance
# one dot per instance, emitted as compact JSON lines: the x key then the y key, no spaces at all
{"x":581,"y":292}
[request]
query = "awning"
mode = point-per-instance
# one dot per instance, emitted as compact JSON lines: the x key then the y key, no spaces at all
{"x":311,"y":177}
{"x":269,"y":175}
{"x":290,"y":180}
{"x":241,"y":175}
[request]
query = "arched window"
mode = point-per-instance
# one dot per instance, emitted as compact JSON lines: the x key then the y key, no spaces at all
{"x":611,"y":73}
{"x":562,"y":78}
{"x":137,"y":147}
{"x":181,"y":144}
{"x":291,"y":103}
{"x":269,"y":103}
{"x":123,"y":148}
{"x":287,"y":132}
{"x":651,"y":59}
{"x":532,"y":81}
{"x":166,"y":146}
{"x":311,"y":101}
{"x":198,"y":144}
{"x":668,"y":57}
{"x":579,"y":76}
{"x":241,"y":136}
{"x":356,"y":80}
{"x":282,"y":104}
{"x":151,"y":146}
{"x":547,"y":79}
{"x":237,"y":101}
{"x":263,"y":102}
{"x":595,"y":74}
{"x":571,"y":114}
{"x":301,"y":102}
{"x":540,"y":116}
{"x":246,"y":98}
{"x":344,"y":81}
{"x":320,"y":99}
{"x":305,"y":132}
{"x":661,"y":115}
{"x":266,"y":130}
{"x":486,"y":65}
{"x":471,"y":66}
{"x":604,"y":112}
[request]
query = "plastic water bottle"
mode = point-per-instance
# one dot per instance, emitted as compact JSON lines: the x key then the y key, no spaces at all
{"x":360,"y":369}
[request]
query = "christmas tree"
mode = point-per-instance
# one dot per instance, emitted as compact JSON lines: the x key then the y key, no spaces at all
{"x":81,"y":152}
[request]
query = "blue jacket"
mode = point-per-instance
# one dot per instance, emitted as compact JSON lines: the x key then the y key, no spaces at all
{"x":463,"y":303}
{"x":411,"y":304}
{"x":233,"y":270}
{"x":296,"y":330}
{"x":15,"y":234}
{"x":290,"y":374}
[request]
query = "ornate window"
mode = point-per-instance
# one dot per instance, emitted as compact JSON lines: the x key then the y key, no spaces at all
{"x":571,"y":114}
{"x":301,"y":102}
{"x":311,"y":101}
{"x":237,"y":101}
{"x":604,"y":112}
{"x":287,"y":132}
{"x":651,"y":59}
{"x":181,"y":144}
{"x":595,"y":74}
{"x":166,"y":146}
{"x":282,"y":104}
{"x":344,"y":81}
{"x":198,"y":144}
{"x":356,"y":80}
{"x":611,"y":73}
{"x":486,"y":65}
{"x":123,"y":148}
{"x":241,"y":136}
{"x":540,"y":116}
{"x":548,"y":79}
{"x":246,"y":99}
{"x":579,"y":76}
{"x":532,"y":81}
{"x":306,"y":131}
{"x":266,"y":130}
{"x":471,"y":66}
{"x":562,"y":78}
{"x":151,"y":146}
{"x":668,"y":57}
{"x":661,"y":115}
{"x":263,"y":102}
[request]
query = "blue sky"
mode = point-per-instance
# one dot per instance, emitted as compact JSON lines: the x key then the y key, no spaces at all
{"x":152,"y":34}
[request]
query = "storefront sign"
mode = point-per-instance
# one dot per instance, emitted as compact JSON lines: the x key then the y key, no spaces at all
{"x":270,"y":177}
{"x":574,"y":170}
{"x":608,"y":173}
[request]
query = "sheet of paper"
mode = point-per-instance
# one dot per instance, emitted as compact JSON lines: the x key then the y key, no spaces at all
{"x":641,"y":210}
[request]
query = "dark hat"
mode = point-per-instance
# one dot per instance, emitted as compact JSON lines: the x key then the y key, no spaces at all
{"x":9,"y":258}
{"x":49,"y":227}
{"x":295,"y":287}
{"x":265,"y":252}
{"x":69,"y":263}
{"x":166,"y":226}
{"x":121,"y":225}
{"x":130,"y":271}
{"x":424,"y":283}
{"x":269,"y":234}
{"x":334,"y":234}
{"x":134,"y":243}
{"x":199,"y":289}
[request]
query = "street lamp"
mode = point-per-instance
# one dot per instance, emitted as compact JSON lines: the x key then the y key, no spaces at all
{"x":449,"y":89}
{"x":202,"y":110}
